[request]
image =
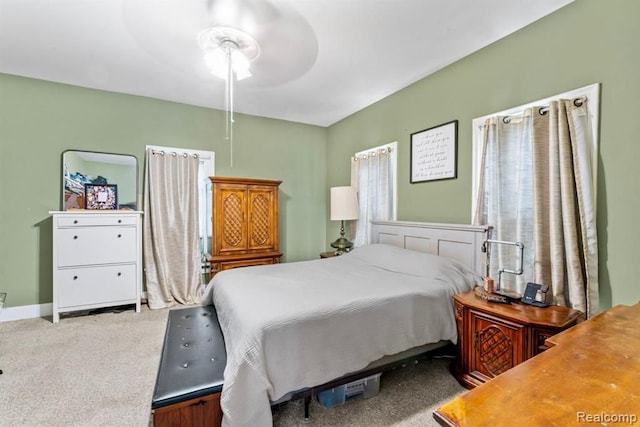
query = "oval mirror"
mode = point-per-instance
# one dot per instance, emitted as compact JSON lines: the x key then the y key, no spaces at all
{"x":84,"y":171}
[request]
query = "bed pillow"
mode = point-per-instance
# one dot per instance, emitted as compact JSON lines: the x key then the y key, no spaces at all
{"x":415,"y":263}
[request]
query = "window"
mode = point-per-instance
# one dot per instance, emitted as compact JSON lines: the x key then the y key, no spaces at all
{"x":374,"y":175}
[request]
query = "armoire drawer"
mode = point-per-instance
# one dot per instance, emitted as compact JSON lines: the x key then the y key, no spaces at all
{"x":228,"y":265}
{"x":96,"y":285}
{"x":96,"y":245}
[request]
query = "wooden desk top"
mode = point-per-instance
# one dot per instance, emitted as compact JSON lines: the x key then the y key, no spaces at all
{"x":592,"y":370}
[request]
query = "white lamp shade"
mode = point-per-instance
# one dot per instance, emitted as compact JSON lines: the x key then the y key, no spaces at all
{"x":344,"y":203}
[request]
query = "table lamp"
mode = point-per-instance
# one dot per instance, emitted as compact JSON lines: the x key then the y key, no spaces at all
{"x":344,"y":206}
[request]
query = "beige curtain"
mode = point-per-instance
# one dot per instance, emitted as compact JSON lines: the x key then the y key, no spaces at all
{"x":566,"y":243}
{"x":372,"y":176}
{"x":171,"y":252}
{"x":536,"y":187}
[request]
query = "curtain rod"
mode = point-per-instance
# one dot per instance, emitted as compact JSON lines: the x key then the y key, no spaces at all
{"x":579,"y":101}
{"x":363,"y":155}
{"x":173,"y":153}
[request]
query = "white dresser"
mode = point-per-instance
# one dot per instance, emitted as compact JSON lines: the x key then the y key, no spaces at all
{"x":97,"y":260}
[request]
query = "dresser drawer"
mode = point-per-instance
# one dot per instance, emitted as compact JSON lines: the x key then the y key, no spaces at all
{"x":97,"y":245}
{"x":90,"y":220}
{"x":96,"y":285}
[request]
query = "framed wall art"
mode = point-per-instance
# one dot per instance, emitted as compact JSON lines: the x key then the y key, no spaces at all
{"x":434,"y":153}
{"x":101,"y":196}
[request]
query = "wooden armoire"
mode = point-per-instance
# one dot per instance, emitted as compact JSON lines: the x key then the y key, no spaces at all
{"x":245,"y":223}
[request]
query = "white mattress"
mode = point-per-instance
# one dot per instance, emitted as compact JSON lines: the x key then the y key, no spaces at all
{"x":295,"y":325}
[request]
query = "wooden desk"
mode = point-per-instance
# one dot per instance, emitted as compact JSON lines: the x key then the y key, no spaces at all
{"x":588,"y":375}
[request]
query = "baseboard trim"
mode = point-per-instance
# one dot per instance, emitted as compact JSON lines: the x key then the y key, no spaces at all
{"x":22,"y":312}
{"x":26,"y":312}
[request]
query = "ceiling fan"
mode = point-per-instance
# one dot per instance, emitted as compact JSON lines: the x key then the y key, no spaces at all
{"x":287,"y":44}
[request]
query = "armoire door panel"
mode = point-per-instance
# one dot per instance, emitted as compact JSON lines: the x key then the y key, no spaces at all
{"x":230,"y":212}
{"x":261,"y":216}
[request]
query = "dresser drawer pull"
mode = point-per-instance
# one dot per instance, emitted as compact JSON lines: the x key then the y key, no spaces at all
{"x":75,"y":277}
{"x":119,"y":236}
{"x":119,"y":274}
{"x":75,"y":221}
{"x":75,"y":237}
{"x":119,"y":221}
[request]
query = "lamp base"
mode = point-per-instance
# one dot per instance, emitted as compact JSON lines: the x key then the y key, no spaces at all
{"x":342,"y":245}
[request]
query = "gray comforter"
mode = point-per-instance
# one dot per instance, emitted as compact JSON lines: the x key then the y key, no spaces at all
{"x":295,"y":325}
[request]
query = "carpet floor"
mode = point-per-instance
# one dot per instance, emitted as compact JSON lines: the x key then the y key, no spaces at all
{"x":99,"y":369}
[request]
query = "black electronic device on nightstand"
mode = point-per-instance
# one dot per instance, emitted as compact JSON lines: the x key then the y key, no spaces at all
{"x":530,"y":293}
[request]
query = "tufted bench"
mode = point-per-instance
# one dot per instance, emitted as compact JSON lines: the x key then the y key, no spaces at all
{"x":190,"y":375}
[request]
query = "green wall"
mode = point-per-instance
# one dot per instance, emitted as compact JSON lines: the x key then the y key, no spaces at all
{"x":588,"y":41}
{"x":39,"y":120}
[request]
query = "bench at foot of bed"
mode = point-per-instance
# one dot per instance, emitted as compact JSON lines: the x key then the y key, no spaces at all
{"x":190,"y":375}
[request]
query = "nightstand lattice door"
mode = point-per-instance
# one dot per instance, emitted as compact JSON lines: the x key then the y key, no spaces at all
{"x":497,"y":345}
{"x":495,"y":349}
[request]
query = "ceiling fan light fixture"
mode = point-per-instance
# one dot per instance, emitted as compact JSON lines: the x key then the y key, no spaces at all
{"x":226,"y":46}
{"x":216,"y":62}
{"x":240,"y":65}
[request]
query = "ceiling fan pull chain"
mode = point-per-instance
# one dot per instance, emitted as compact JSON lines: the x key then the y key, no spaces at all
{"x":230,"y":80}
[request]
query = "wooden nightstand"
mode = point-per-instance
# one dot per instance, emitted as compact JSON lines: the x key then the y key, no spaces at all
{"x":494,"y":337}
{"x":328,"y":254}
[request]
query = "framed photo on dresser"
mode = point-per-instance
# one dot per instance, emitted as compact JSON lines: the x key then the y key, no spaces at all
{"x":101,"y":196}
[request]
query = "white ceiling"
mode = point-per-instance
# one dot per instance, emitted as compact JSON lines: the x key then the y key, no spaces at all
{"x":320,"y":60}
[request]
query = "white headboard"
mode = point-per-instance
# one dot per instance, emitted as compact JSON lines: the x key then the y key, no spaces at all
{"x":461,"y":242}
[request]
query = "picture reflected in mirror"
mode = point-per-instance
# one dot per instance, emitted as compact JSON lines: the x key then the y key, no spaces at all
{"x":103,"y":169}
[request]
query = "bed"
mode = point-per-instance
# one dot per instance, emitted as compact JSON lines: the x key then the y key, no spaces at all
{"x":290,"y":327}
